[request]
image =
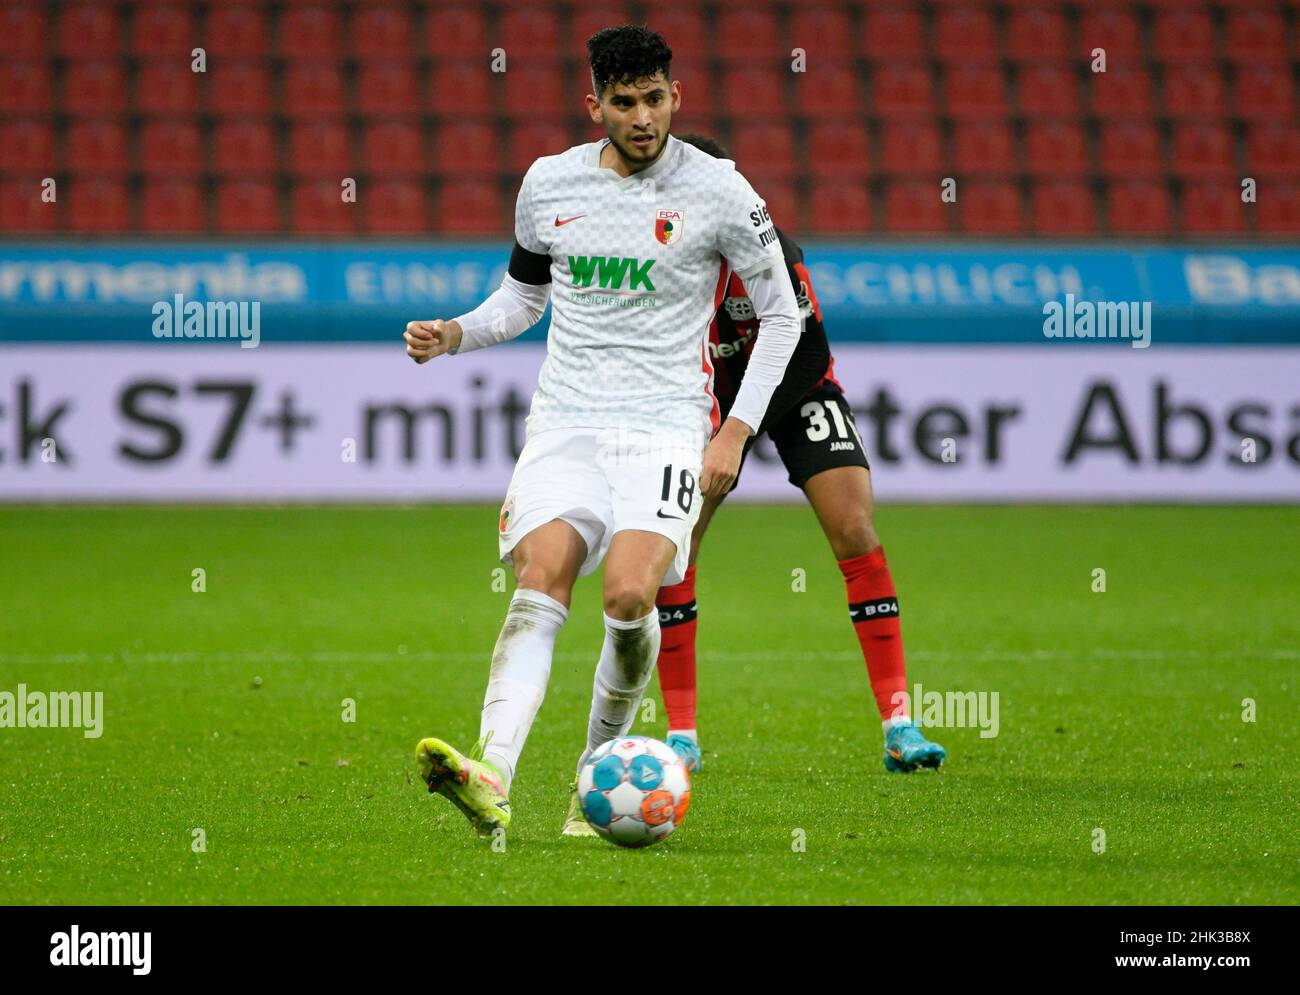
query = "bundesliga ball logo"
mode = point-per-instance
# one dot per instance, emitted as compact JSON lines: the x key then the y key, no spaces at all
{"x":634,"y":791}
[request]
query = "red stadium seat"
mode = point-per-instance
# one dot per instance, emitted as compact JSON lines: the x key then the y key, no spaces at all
{"x":1129,"y":149}
{"x":1063,"y":207}
{"x":1181,"y":35}
{"x":247,"y":206}
{"x":396,"y":207}
{"x":539,"y":90}
{"x":171,"y":148}
{"x":456,"y":31}
{"x":470,"y":207}
{"x":1194,"y":90}
{"x":1121,"y":92}
{"x":28,"y":147}
{"x":166,"y":87}
{"x":825,"y":33}
{"x":89,"y":30}
{"x":1265,"y":91}
{"x":1203,"y":150}
{"x":310,"y":33}
{"x":754,"y":92}
{"x":1037,"y":33}
{"x":1255,"y":35}
{"x":766,"y":151}
{"x":893,"y":33}
{"x":532,"y":139}
{"x":908,"y":149}
{"x":317,"y":207}
{"x":685,"y":27}
{"x":94,"y":88}
{"x":1213,"y":207}
{"x":245,"y":148}
{"x":97,"y":148}
{"x":382,"y":32}
{"x":966,"y":34}
{"x":699,"y":91}
{"x":236,"y":32}
{"x":393,"y":148}
{"x":840,"y":208}
{"x":1056,"y":149}
{"x":23,"y":208}
{"x":98,"y":205}
{"x":1138,"y":207}
{"x":388,"y":91}
{"x":163,"y":31}
{"x":173,"y":206}
{"x":975,"y":92}
{"x":462,"y":88}
{"x":914,"y":207}
{"x":312,"y":90}
{"x":1273,"y":150}
{"x":528,"y":33}
{"x":1047,"y":91}
{"x":990,"y":207}
{"x":240,"y":90}
{"x":986,"y":148}
{"x":320,"y":148}
{"x":1115,"y":30}
{"x":24,"y":31}
{"x":837,"y":152}
{"x":1277,"y":211}
{"x":25,"y":87}
{"x":902,"y":90}
{"x":751,"y":35}
{"x":467,"y":148}
{"x":782,"y":203}
{"x":586,"y":19}
{"x":829,"y":90}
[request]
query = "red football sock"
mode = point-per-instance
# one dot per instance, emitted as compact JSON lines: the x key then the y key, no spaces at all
{"x":873,"y":607}
{"x":676,"y":605}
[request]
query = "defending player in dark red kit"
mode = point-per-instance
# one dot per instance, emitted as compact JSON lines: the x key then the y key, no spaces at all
{"x":812,"y":427}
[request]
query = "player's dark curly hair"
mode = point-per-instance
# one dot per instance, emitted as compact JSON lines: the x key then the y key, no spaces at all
{"x":705,"y":144}
{"x":626,"y":54}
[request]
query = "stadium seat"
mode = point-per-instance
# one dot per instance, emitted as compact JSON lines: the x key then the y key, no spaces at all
{"x":975,"y":92}
{"x":532,"y":139}
{"x":1056,"y":149}
{"x":527,"y":33}
{"x":1265,"y":91}
{"x":1138,"y":207}
{"x":840,"y":208}
{"x":95,"y":204}
{"x":312,"y":89}
{"x":1255,"y":36}
{"x":247,"y":206}
{"x":1063,"y":207}
{"x":699,"y":92}
{"x":1272,"y":150}
{"x":1181,"y":35}
{"x":381,"y":32}
{"x":395,"y":207}
{"x":913,"y":207}
{"x":902,"y":90}
{"x":456,"y":31}
{"x":1203,"y":151}
{"x":24,"y":31}
{"x":538,"y":89}
{"x":239,"y":89}
{"x":466,"y":148}
{"x":171,"y":148}
{"x":97,"y":148}
{"x":689,"y":39}
{"x":462,"y":88}
{"x":1212,"y":207}
{"x":1115,"y":30}
{"x":965,"y":34}
{"x":828,"y":90}
{"x":836,"y":152}
{"x":28,"y":147}
{"x":89,"y":30}
{"x":1047,"y":91}
{"x":320,"y":148}
{"x":26,"y":87}
{"x":1121,"y":92}
{"x":236,"y":32}
{"x":985,"y":148}
{"x":317,"y":207}
{"x":23,"y":208}
{"x":750,"y":34}
{"x":1129,"y":149}
{"x":167,"y":87}
{"x":1194,"y":90}
{"x":908,"y":149}
{"x":173,"y":206}
{"x":1277,"y":212}
{"x":471,"y":207}
{"x":685,"y":26}
{"x":388,"y":91}
{"x":163,"y":31}
{"x":990,"y":207}
{"x":94,"y":88}
{"x":782,"y":203}
{"x":245,"y":148}
{"x":310,"y":33}
{"x":754,"y":92}
{"x":1035,"y":34}
{"x":893,"y":33}
{"x":393,"y":149}
{"x":766,"y":150}
{"x":825,"y":33}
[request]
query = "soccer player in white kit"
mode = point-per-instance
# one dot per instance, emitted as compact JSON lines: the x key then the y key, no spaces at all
{"x":632,"y":238}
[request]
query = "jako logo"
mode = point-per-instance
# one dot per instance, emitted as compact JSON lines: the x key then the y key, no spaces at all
{"x":182,"y":319}
{"x":1100,"y":320}
{"x":77,"y":949}
{"x":610,"y":270}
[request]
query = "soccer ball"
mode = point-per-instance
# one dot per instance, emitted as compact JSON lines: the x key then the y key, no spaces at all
{"x":634,"y":791}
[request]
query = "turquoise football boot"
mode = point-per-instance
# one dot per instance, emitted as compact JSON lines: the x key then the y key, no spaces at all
{"x":907,"y":750}
{"x":687,"y":749}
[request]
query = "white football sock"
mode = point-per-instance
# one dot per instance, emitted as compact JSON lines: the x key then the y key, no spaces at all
{"x":521,"y":668}
{"x":627,"y":662}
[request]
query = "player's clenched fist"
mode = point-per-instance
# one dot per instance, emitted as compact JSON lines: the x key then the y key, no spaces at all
{"x":426,"y":339}
{"x":722,"y":458}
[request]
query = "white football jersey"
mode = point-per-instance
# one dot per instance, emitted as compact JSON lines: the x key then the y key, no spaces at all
{"x":639,"y":265}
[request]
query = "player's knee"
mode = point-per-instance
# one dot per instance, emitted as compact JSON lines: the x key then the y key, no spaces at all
{"x":536,"y":576}
{"x":855,"y":537}
{"x":626,"y":600}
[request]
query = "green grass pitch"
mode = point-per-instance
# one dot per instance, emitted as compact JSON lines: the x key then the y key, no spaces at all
{"x":1120,"y":711}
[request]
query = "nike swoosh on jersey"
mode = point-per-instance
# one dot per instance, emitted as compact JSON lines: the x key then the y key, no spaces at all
{"x":675,"y":518}
{"x":560,"y":224}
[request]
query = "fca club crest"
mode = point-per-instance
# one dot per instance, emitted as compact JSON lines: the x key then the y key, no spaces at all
{"x":668,"y":226}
